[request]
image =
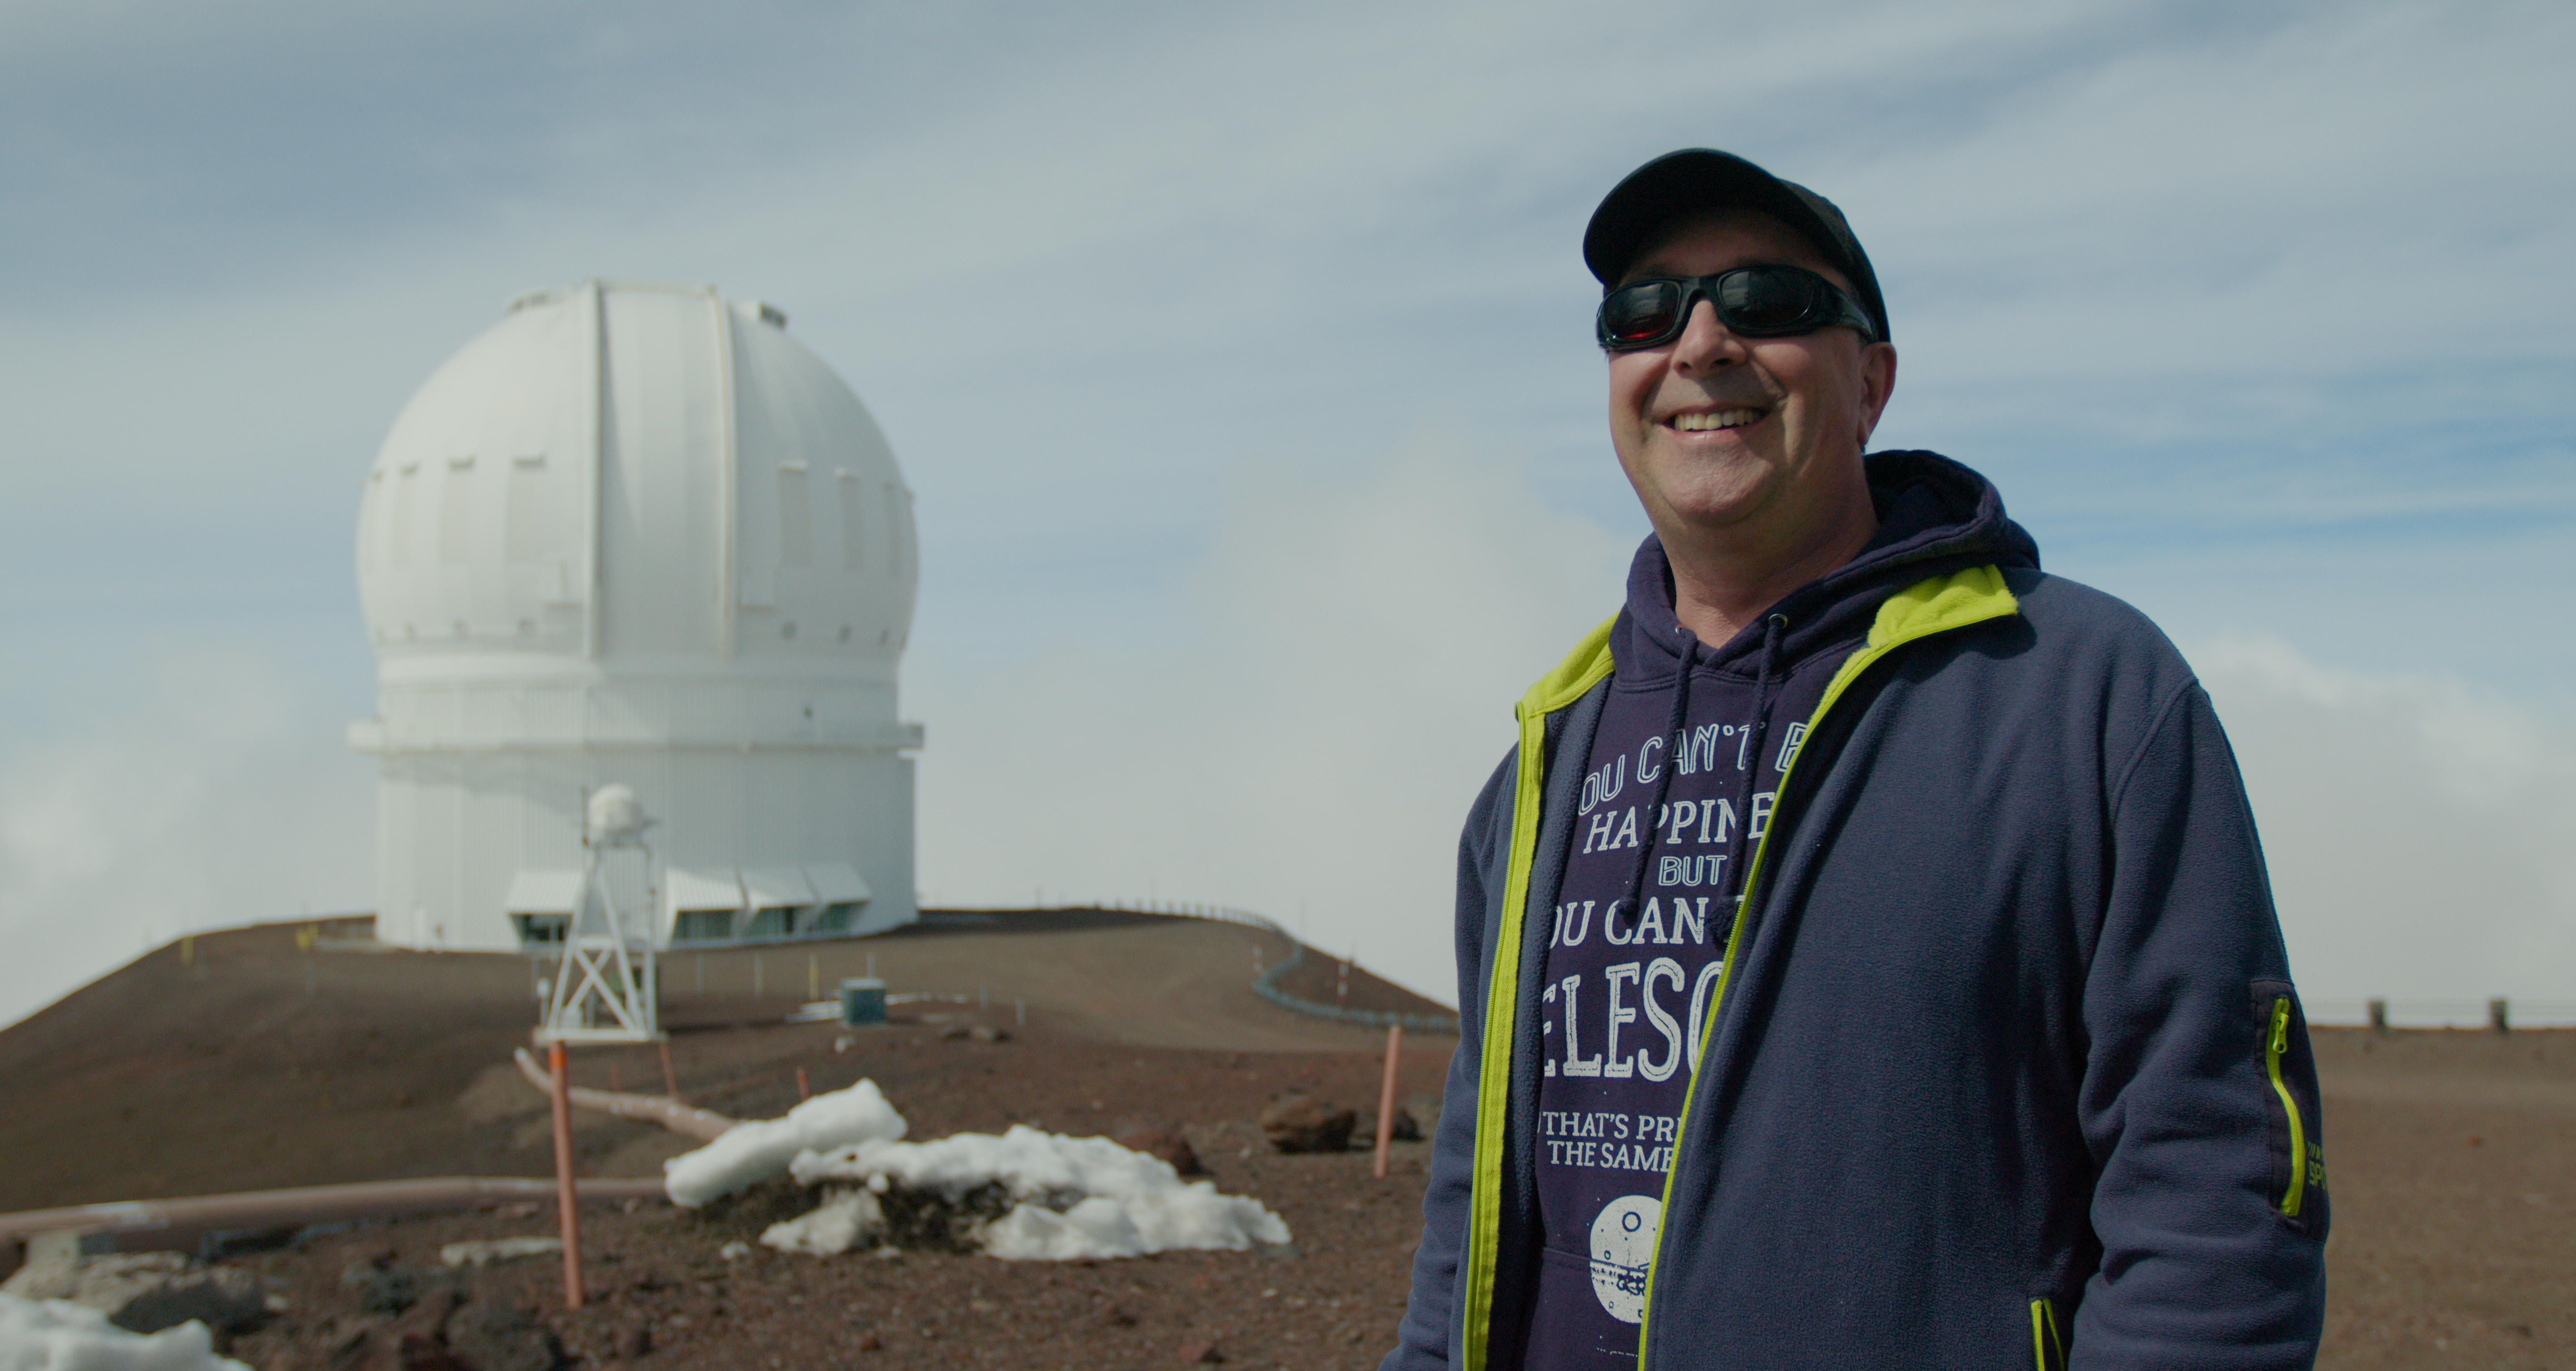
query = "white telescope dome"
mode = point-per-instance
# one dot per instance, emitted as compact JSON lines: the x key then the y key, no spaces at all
{"x":725,"y":488}
{"x":636,"y":534}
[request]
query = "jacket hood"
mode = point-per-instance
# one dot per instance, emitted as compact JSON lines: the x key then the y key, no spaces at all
{"x":1935,"y":516}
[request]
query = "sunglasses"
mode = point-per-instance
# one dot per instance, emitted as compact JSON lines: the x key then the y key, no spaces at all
{"x":1766,"y":301}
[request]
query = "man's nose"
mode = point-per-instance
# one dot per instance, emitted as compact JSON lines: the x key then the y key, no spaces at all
{"x":1705,"y":343}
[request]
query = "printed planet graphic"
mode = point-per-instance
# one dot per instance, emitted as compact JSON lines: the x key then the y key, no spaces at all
{"x":1623,"y":1241}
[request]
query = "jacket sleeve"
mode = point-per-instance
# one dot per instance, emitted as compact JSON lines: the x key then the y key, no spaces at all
{"x":1430,"y":1314}
{"x":2199,"y":1100}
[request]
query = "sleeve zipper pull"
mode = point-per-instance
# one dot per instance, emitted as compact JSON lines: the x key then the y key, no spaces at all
{"x":2280,"y":1025}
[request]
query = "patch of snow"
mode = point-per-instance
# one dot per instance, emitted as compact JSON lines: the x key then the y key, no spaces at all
{"x":1127,"y":1203}
{"x":56,"y":1335}
{"x":846,"y":1218}
{"x":758,"y":1150}
{"x":1097,"y":1227}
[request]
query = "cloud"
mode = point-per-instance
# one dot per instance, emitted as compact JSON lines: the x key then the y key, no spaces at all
{"x":2417,"y":829}
{"x":2246,"y":308}
{"x":224,"y":795}
{"x":1307,"y":743}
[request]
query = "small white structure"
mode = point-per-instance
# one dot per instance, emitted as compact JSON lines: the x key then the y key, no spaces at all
{"x":636,"y":534}
{"x":604,"y":989}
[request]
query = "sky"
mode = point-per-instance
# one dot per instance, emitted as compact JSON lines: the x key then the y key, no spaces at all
{"x":1239,"y":358}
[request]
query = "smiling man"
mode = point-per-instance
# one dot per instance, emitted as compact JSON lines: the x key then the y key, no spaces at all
{"x":1865,"y":954}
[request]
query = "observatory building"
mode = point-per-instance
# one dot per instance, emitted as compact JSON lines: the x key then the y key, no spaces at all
{"x":638,"y":534}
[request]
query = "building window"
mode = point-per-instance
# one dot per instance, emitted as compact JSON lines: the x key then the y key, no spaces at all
{"x":702,"y":926}
{"x":541,"y":929}
{"x":771,"y":923}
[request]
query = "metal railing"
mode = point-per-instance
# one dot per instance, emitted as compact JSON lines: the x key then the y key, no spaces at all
{"x":1266,"y":984}
{"x":2497,"y":1013}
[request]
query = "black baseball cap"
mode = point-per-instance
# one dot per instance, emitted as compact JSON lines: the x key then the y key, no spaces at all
{"x":1696,"y":180}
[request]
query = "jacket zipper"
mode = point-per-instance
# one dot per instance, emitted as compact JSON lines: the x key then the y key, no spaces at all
{"x":2275,"y":1042}
{"x":1936,"y":606}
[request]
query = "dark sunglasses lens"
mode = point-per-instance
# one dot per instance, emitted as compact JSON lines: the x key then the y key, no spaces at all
{"x":1768,"y":300}
{"x":1635,"y":316}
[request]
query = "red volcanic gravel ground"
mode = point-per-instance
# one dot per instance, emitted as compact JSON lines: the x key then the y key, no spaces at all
{"x":661,"y":1296}
{"x":251,"y":1063}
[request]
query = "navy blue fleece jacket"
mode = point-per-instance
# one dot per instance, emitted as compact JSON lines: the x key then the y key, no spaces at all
{"x":2005,"y":1069}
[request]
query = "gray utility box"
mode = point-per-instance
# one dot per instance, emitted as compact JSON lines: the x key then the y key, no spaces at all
{"x":862,"y":1001}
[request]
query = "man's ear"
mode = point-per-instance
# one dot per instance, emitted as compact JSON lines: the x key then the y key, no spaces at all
{"x":1878,"y":382}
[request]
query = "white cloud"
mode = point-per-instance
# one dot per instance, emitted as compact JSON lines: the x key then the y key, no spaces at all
{"x":2417,"y":829}
{"x":2200,"y":287}
{"x":1308,"y":750}
{"x":1343,"y":686}
{"x":225,"y":795}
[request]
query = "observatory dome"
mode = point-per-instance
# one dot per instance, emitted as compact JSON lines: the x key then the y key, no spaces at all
{"x":637,"y":534}
{"x":633,"y":470}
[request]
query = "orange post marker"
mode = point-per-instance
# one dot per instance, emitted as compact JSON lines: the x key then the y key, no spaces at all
{"x":802,"y":1092}
{"x":670,"y":1079}
{"x":1386,"y":1099}
{"x":567,"y":1201}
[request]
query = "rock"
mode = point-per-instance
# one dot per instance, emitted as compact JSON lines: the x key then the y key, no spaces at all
{"x":1303,"y":1123}
{"x":143,"y":1292}
{"x":986,"y":1033}
{"x":500,"y":1337}
{"x":955,"y":1032}
{"x":870,"y":1342}
{"x":633,"y":1340}
{"x":389,"y":1291}
{"x":103,"y":1282}
{"x":1116,"y":1316}
{"x":371,"y":1256}
{"x":1160,"y":1140}
{"x":1193,"y":1353}
{"x":414,"y":1342}
{"x":488,"y":1251}
{"x":1404,"y":1129}
{"x":224,"y":1299}
{"x":420,"y":1352}
{"x":428,"y":1316}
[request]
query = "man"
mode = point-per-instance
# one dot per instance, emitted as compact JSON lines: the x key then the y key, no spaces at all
{"x":1865,"y":957}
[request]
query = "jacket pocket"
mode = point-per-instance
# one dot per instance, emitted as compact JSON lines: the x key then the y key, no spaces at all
{"x":2294,"y":1140}
{"x":2047,"y":1337}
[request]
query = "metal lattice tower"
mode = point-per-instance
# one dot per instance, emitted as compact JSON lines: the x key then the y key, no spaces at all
{"x":604,"y":988}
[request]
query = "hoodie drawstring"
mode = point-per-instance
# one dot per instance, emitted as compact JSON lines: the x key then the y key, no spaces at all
{"x":1756,"y":730}
{"x":1663,"y":778}
{"x":1759,"y":726}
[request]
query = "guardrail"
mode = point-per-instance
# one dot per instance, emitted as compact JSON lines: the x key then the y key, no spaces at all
{"x":1266,"y":985}
{"x":2497,"y":1014}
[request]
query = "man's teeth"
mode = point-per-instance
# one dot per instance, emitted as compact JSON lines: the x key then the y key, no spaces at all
{"x":1724,"y":418}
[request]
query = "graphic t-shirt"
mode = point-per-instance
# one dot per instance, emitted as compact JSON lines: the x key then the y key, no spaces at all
{"x":1630,"y":983}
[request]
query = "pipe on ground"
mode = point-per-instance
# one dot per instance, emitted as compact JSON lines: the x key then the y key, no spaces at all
{"x":179,"y":1225}
{"x":671,"y":1114}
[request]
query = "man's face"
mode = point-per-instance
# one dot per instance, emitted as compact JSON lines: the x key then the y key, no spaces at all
{"x":1724,"y":434}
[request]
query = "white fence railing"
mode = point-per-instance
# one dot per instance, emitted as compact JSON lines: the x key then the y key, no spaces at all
{"x":1266,"y":984}
{"x":2490,"y":1013}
